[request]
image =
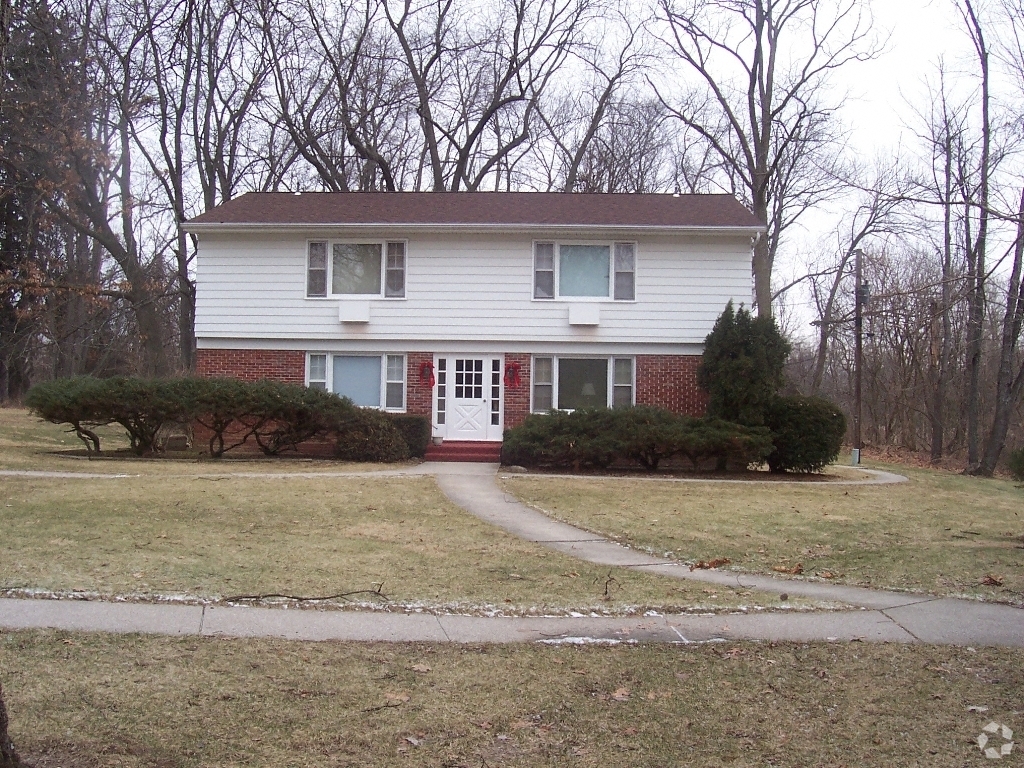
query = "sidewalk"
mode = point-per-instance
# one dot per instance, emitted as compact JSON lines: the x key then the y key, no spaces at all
{"x":881,"y":616}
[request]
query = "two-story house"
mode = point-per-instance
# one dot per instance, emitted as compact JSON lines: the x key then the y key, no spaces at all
{"x":470,"y":308}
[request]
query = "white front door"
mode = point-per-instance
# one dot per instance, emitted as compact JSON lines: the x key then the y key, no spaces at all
{"x":468,"y":398}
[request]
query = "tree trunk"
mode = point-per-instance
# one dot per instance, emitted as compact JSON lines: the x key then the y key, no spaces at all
{"x":976,"y":268}
{"x":1010,"y":379}
{"x":942,"y":349}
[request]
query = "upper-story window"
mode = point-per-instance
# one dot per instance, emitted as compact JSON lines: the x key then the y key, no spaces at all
{"x":582,"y":270}
{"x":355,"y":269}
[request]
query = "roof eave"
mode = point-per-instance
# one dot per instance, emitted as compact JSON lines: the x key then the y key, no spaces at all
{"x":241,"y":227}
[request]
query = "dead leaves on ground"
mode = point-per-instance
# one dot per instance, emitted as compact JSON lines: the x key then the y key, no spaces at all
{"x":709,"y":564}
{"x":794,"y":570}
{"x":991,"y":580}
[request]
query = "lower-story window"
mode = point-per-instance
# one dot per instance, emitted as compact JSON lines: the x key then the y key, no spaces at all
{"x":569,"y":383}
{"x":370,"y":381}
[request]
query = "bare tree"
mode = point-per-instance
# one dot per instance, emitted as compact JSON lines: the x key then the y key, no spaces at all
{"x":764,"y":104}
{"x":878,"y":214}
{"x":471,"y":77}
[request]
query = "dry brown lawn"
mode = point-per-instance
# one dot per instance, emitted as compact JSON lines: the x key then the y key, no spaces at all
{"x":939,"y":533}
{"x":185,"y":528}
{"x":88,"y":701}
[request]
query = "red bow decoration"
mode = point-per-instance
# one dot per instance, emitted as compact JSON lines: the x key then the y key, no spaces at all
{"x":512,"y":379}
{"x":427,"y":373}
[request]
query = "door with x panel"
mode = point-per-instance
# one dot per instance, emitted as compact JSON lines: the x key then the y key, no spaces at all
{"x":469,"y":397}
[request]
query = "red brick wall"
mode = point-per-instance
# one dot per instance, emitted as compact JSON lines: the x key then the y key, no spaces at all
{"x":253,"y":364}
{"x":517,"y":400}
{"x":670,"y":381}
{"x":418,"y":392}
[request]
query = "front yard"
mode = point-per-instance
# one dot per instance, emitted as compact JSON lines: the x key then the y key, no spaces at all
{"x":184,"y":528}
{"x":135,"y":702}
{"x":939,"y":533}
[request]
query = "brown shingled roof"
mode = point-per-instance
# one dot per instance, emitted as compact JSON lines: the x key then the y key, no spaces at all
{"x":487,"y":209}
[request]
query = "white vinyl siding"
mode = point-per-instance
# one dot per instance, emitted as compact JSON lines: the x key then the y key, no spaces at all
{"x":474,"y":289}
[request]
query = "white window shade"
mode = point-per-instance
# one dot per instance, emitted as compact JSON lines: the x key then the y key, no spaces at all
{"x":583,"y":270}
{"x":358,"y":378}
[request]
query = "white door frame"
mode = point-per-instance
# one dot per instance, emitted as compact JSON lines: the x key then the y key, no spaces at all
{"x":493,"y":383}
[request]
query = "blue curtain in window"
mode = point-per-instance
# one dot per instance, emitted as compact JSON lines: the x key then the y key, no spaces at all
{"x":583,"y":270}
{"x":358,"y":378}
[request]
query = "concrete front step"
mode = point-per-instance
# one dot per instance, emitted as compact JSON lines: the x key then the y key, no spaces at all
{"x":464,"y":450}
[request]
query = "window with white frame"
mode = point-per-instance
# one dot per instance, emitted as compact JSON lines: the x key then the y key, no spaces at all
{"x":355,"y":269}
{"x":570,"y":383}
{"x":369,"y":381}
{"x":584,"y":270}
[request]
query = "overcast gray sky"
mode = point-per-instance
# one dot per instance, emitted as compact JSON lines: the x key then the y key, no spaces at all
{"x":920,"y":32}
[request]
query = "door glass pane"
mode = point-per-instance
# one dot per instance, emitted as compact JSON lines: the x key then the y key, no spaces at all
{"x":358,"y":378}
{"x":583,"y":270}
{"x":356,"y":268}
{"x":582,"y":383}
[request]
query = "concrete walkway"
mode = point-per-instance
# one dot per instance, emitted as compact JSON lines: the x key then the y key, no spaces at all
{"x":880,"y":616}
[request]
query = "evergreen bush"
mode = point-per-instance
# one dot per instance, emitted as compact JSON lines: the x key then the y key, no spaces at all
{"x":597,"y":438}
{"x":648,"y":435}
{"x":415,"y":430}
{"x":77,"y":401}
{"x":581,"y":439}
{"x":222,"y":406}
{"x":726,"y":443}
{"x":368,"y":435}
{"x":807,"y":433}
{"x":742,"y":367}
{"x":285,"y":415}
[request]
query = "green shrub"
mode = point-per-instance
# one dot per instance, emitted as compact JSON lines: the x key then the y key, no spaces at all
{"x":77,"y":401}
{"x":648,"y":435}
{"x":415,"y":430}
{"x":597,"y":438}
{"x":222,"y":406}
{"x":141,"y":406}
{"x":583,"y":438}
{"x":742,"y":366}
{"x":369,"y":435}
{"x":726,"y":443}
{"x":1016,"y":464}
{"x":282,"y":416}
{"x":278,"y":416}
{"x":807,"y":433}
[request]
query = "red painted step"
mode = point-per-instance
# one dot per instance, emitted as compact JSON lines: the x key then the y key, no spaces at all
{"x":464,"y":450}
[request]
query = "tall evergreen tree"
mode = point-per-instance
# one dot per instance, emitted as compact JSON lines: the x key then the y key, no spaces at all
{"x":742,"y":367}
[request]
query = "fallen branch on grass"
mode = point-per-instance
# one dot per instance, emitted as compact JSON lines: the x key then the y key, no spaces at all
{"x":378,"y":592}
